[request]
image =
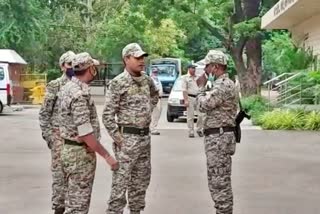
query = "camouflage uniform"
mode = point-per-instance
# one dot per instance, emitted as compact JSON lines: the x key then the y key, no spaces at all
{"x":49,"y":124}
{"x":220,"y":106}
{"x":78,"y":117}
{"x":129,"y":103}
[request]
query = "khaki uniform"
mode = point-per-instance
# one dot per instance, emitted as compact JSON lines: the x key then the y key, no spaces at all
{"x":78,"y":117}
{"x":220,"y":106}
{"x":49,"y":124}
{"x":156,"y":113}
{"x":189,"y":85}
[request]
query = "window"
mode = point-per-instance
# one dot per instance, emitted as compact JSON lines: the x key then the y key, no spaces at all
{"x":165,"y":70}
{"x":1,"y":74}
{"x":177,"y":85}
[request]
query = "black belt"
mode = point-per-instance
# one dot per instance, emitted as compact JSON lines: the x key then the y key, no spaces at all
{"x":217,"y":130}
{"x":134,"y":130}
{"x":74,"y":143}
{"x":192,"y":95}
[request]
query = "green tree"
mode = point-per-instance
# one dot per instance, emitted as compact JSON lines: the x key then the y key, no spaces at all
{"x":131,"y":25}
{"x":280,"y":54}
{"x":235,"y":23}
{"x":23,"y":27}
{"x":163,"y":41}
{"x":66,"y":32}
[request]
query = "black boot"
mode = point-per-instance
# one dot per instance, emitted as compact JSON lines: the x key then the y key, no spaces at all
{"x":59,"y":210}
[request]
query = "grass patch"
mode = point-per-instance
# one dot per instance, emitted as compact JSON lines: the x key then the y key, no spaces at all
{"x":284,"y":119}
{"x":312,"y":121}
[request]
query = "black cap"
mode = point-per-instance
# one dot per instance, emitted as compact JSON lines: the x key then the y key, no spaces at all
{"x":191,"y":66}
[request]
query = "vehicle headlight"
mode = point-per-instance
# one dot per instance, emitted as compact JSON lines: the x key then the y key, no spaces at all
{"x":174,"y":101}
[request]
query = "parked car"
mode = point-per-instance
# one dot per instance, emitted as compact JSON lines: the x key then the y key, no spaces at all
{"x":176,"y":106}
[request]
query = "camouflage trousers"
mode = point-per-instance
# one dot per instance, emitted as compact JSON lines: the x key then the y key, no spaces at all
{"x":58,"y":179}
{"x":133,"y":175}
{"x":79,"y":164}
{"x":219,"y":149}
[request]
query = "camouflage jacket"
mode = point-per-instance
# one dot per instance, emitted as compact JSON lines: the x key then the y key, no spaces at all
{"x":129,"y":103}
{"x":77,"y":112}
{"x":48,"y":115}
{"x":220,"y":104}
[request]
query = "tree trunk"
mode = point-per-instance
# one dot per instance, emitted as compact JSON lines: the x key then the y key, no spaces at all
{"x":237,"y":56}
{"x":252,"y":85}
{"x":252,"y":80}
{"x":240,"y":67}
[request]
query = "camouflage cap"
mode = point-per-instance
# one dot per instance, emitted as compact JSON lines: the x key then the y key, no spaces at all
{"x":67,"y":57}
{"x":133,"y":49}
{"x":83,"y":61}
{"x":217,"y":57}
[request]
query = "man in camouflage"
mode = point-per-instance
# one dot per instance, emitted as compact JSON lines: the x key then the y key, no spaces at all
{"x":80,"y":130}
{"x":127,"y":115}
{"x":49,"y":125}
{"x":220,"y":106}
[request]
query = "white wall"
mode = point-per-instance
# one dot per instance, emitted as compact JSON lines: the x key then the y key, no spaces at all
{"x":308,"y":33}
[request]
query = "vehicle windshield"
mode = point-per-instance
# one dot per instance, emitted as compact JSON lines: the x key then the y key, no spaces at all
{"x":177,"y":85}
{"x":165,"y":70}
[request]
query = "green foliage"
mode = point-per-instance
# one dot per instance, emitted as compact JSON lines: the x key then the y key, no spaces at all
{"x":307,"y":86}
{"x":255,"y":103}
{"x":41,"y":30}
{"x":314,"y":76}
{"x":248,"y":28}
{"x":199,"y":44}
{"x":163,"y":41}
{"x":282,"y":119}
{"x":23,"y":27}
{"x":53,"y":74}
{"x":256,"y":106}
{"x":22,"y":21}
{"x":312,"y":121}
{"x":290,"y":120}
{"x":281,"y":55}
{"x":313,"y":79}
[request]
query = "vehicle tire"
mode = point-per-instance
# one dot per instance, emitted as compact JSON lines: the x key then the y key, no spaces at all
{"x":1,"y":107}
{"x":170,"y":118}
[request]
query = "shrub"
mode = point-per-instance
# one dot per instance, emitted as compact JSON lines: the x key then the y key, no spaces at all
{"x":53,"y":74}
{"x":290,"y":120}
{"x":282,"y":119}
{"x":312,"y":121}
{"x":255,"y":106}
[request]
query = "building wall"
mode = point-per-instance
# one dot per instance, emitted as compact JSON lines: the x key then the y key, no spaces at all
{"x":308,"y":33}
{"x":15,"y":71}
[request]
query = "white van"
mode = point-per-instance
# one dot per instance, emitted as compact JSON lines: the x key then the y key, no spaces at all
{"x":5,"y":88}
{"x":11,"y":66}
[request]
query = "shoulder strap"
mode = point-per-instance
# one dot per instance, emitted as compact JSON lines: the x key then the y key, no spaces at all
{"x":240,"y":105}
{"x":55,"y":98}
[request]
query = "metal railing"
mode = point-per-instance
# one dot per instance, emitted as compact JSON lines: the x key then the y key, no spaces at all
{"x":274,"y":85}
{"x":286,"y":92}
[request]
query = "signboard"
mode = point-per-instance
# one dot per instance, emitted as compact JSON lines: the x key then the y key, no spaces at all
{"x":281,"y":6}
